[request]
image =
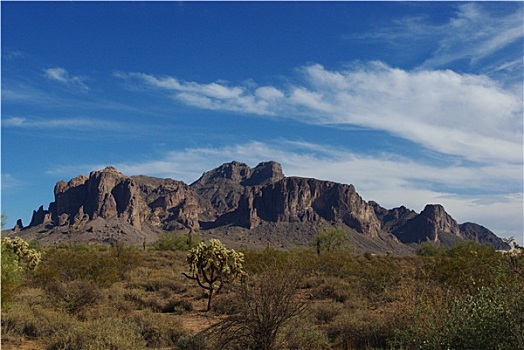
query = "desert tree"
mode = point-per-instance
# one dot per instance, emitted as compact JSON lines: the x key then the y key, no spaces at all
{"x":212,"y":265}
{"x":332,"y":239}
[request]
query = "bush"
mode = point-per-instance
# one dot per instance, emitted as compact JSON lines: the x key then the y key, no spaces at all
{"x":361,"y":329}
{"x":86,"y":263}
{"x":107,"y":333}
{"x":35,"y":321}
{"x":178,"y":305}
{"x":158,"y":331}
{"x":192,"y":342}
{"x":265,"y":303}
{"x":74,"y":296}
{"x":466,"y":266}
{"x":325,"y":312}
{"x":483,"y":320}
{"x":333,"y":288}
{"x":11,"y":275}
{"x":170,"y":241}
{"x":299,"y":335}
{"x":428,"y":249}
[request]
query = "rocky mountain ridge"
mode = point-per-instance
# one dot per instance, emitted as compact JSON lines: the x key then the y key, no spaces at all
{"x":239,"y":203}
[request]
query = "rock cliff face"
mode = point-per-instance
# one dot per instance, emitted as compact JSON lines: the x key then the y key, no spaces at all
{"x":236,"y":195}
{"x":427,"y":226}
{"x":109,"y":194}
{"x":308,"y":200}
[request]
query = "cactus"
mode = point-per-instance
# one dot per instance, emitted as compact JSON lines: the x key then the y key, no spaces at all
{"x":212,"y":265}
{"x":23,"y":253}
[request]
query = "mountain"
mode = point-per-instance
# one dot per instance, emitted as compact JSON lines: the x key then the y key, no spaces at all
{"x":239,"y":204}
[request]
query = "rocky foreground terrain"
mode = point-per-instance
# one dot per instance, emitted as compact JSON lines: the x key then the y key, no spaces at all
{"x":243,"y":206}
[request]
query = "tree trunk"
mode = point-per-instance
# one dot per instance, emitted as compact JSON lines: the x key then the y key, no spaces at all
{"x":209,"y":299}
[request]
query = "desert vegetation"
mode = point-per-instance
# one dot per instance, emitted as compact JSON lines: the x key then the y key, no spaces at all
{"x":123,"y":297}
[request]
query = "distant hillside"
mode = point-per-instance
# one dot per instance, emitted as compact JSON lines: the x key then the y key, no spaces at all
{"x":241,"y":205}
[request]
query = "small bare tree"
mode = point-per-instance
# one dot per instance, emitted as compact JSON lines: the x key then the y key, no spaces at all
{"x":264,"y":304}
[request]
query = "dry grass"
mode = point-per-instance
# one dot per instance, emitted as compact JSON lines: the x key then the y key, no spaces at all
{"x":351,"y":302}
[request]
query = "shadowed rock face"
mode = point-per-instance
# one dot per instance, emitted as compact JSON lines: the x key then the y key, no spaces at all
{"x":476,"y":232}
{"x":236,"y":195}
{"x":427,"y":226}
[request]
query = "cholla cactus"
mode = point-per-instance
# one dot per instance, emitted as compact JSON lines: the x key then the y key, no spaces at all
{"x":21,"y":249}
{"x":212,"y":265}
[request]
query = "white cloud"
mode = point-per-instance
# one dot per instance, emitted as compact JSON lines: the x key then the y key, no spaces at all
{"x":62,"y":75}
{"x":58,"y":123}
{"x":464,"y":115}
{"x":213,"y":96}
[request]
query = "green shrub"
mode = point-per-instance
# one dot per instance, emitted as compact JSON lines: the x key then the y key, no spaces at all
{"x":428,"y":249}
{"x":107,"y":333}
{"x":85,"y":263}
{"x":333,"y":288}
{"x":303,"y":336}
{"x":483,"y":320}
{"x":466,"y":266}
{"x":26,"y":321}
{"x":361,"y":329}
{"x":74,"y":296}
{"x":333,"y":239}
{"x":325,"y":313}
{"x":157,"y":330}
{"x":11,"y":275}
{"x":171,"y":241}
{"x":192,"y":342}
{"x":178,"y":305}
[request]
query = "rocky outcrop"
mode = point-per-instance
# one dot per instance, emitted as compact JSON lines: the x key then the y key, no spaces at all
{"x":428,"y":226}
{"x":433,"y":224}
{"x":18,"y":226}
{"x":109,"y":194}
{"x":391,"y":220}
{"x":478,"y":233}
{"x":40,"y":216}
{"x":240,"y":195}
{"x":296,"y":199}
{"x":222,"y":188}
{"x":234,"y":195}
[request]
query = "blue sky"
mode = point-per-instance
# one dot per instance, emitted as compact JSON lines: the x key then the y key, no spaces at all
{"x":413,"y":103}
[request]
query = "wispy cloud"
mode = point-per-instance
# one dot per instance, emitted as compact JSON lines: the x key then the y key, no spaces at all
{"x":497,"y":202}
{"x":58,"y":123}
{"x":8,"y":181}
{"x":61,"y":75}
{"x":465,"y":115}
{"x":473,"y":33}
{"x":10,"y":55}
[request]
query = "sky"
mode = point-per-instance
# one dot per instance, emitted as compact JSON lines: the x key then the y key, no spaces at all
{"x":411,"y":102}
